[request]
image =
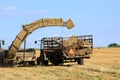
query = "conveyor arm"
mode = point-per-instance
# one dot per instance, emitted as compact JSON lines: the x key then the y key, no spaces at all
{"x":27,"y":29}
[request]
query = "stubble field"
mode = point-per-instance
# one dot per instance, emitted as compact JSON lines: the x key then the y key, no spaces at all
{"x":103,"y":65}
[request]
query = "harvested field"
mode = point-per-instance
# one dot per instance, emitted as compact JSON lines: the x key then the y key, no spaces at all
{"x":103,"y":65}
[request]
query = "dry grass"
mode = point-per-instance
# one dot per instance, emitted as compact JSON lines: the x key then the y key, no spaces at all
{"x":103,"y":65}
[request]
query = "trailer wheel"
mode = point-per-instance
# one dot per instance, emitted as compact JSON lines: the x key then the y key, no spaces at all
{"x":38,"y":61}
{"x":10,"y":63}
{"x":57,"y":62}
{"x":80,"y":61}
{"x":32,"y":63}
{"x":45,"y":62}
{"x":26,"y":63}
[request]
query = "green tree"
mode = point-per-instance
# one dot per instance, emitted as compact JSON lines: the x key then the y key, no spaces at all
{"x":113,"y":45}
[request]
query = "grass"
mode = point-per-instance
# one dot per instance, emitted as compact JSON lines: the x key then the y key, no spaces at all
{"x":103,"y":65}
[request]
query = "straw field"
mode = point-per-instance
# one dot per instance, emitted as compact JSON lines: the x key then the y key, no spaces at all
{"x":103,"y":65}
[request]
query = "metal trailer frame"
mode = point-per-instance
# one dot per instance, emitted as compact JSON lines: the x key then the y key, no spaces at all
{"x":52,"y":48}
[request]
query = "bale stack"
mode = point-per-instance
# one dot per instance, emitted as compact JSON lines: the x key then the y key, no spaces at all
{"x":83,"y":51}
{"x":70,"y":42}
{"x":78,"y":46}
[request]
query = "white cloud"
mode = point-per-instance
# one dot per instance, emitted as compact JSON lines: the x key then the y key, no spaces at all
{"x":14,"y":12}
{"x":10,"y":8}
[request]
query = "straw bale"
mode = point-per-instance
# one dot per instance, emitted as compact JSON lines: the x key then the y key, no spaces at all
{"x":83,"y":51}
{"x":69,"y":42}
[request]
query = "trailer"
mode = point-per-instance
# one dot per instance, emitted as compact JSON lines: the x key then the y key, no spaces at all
{"x":25,"y":57}
{"x":58,"y":50}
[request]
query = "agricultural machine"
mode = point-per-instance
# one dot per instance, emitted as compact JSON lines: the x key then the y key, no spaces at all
{"x":9,"y":57}
{"x":59,"y":50}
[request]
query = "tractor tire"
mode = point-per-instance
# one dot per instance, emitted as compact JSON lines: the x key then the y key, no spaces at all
{"x":45,"y":62}
{"x":80,"y":61}
{"x":26,"y":64}
{"x":38,"y":61}
{"x":57,"y":62}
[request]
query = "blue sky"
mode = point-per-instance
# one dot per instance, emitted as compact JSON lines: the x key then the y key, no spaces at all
{"x":101,"y":18}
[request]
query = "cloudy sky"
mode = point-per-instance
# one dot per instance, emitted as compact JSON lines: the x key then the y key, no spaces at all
{"x":101,"y":18}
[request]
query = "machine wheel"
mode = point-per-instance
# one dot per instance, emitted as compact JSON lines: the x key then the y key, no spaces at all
{"x":10,"y":63}
{"x":32,"y":63}
{"x":80,"y":61}
{"x":57,"y":62}
{"x":45,"y":62}
{"x":26,"y":63}
{"x":38,"y":61}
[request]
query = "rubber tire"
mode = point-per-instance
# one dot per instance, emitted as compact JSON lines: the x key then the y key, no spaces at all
{"x":45,"y":62}
{"x":57,"y":62}
{"x":80,"y":61}
{"x":26,"y":63}
{"x":38,"y":61}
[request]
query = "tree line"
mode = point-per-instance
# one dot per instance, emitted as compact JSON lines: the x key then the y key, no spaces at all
{"x":114,"y":45}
